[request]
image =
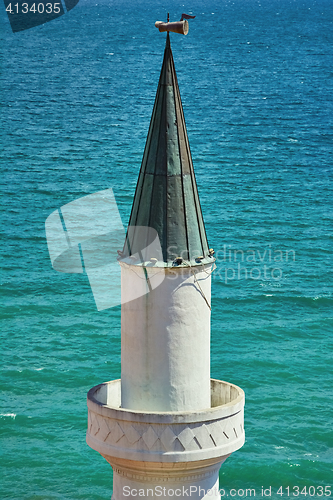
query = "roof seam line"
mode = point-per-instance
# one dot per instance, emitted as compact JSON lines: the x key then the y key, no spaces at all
{"x":194,"y":187}
{"x":177,"y":101}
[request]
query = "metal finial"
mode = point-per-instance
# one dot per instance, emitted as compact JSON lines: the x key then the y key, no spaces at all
{"x":177,"y":27}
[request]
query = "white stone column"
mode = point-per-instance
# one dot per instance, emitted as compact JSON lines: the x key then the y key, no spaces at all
{"x":165,"y":338}
{"x":200,"y":480}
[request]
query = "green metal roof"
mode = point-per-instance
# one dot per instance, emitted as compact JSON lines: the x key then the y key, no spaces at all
{"x":166,"y":197}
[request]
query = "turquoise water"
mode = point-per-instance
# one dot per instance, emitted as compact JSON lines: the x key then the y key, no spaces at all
{"x":256,"y":84}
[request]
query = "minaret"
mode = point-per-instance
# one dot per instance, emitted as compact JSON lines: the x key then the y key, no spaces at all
{"x":166,"y":423}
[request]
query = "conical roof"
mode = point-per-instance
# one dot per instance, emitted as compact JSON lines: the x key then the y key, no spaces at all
{"x":166,"y":197}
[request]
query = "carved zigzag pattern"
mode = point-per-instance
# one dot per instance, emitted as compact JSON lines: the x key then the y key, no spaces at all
{"x":164,"y":437}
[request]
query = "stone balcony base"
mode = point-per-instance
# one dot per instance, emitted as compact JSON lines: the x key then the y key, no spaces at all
{"x":152,"y":449}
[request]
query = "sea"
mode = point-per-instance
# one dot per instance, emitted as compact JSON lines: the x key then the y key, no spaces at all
{"x":256,"y":82}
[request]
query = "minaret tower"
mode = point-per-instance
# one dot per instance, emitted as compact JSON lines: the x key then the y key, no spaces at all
{"x":166,"y":424}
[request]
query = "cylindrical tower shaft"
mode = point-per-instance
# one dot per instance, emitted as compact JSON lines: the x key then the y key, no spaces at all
{"x":165,"y":340}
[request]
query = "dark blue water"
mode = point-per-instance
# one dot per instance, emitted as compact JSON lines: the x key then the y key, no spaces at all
{"x":77,"y":93}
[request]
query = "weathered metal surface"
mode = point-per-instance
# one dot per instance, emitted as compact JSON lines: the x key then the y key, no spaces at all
{"x":166,"y":196}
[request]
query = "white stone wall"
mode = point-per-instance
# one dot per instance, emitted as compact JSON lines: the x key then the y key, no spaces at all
{"x":165,"y":339}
